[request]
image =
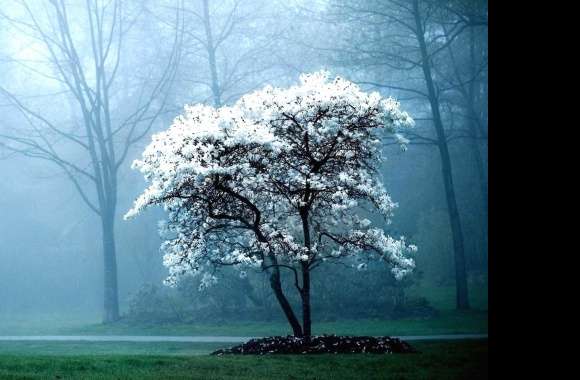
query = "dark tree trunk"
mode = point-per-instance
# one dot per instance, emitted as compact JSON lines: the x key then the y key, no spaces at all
{"x":111,"y":295}
{"x":462,"y":300}
{"x":477,"y":129}
{"x":482,"y":177}
{"x":305,"y":295}
{"x":305,"y":291}
{"x":276,"y":286}
{"x":276,"y":283}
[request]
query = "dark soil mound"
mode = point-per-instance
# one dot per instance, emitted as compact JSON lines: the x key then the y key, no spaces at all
{"x":323,"y":344}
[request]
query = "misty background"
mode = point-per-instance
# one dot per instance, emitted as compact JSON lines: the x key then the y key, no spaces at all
{"x":168,"y":53}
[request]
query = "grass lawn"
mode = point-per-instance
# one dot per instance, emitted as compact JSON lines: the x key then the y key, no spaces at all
{"x":436,"y":360}
{"x":53,"y":348}
{"x":448,"y":322}
{"x":443,"y":297}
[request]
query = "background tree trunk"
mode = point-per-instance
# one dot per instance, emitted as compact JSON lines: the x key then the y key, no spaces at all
{"x":476,"y":126}
{"x":462,"y":300}
{"x":211,"y":50}
{"x":111,"y":292}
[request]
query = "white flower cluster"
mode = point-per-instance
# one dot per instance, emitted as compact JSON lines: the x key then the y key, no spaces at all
{"x":238,"y":181}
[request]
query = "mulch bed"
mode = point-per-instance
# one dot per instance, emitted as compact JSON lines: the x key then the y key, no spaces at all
{"x":322,"y":344}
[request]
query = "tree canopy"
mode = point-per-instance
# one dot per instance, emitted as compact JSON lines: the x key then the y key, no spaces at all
{"x":279,"y":179}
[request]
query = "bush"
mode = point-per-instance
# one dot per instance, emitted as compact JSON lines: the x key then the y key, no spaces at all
{"x":414,"y":307}
{"x":338,"y":292}
{"x":156,"y":304}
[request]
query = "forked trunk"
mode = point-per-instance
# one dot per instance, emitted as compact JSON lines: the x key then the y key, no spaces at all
{"x":276,"y":286}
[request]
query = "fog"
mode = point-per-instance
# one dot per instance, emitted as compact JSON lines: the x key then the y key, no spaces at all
{"x":122,"y":70}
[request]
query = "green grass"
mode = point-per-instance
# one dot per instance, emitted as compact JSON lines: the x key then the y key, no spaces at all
{"x":44,"y":324}
{"x":437,"y":360}
{"x":443,"y":297}
{"x":53,"y":348}
{"x":448,"y":322}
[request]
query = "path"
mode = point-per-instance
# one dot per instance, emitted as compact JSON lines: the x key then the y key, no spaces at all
{"x":194,"y":339}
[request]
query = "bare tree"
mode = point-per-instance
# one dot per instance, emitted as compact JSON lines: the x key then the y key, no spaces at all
{"x":464,"y":74}
{"x":229,"y":47}
{"x":85,"y":49}
{"x":407,"y":38}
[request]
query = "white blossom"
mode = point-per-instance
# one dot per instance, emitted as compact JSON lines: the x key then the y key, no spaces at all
{"x":236,"y":181}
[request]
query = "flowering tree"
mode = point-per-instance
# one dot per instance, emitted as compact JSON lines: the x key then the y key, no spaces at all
{"x":276,"y":181}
